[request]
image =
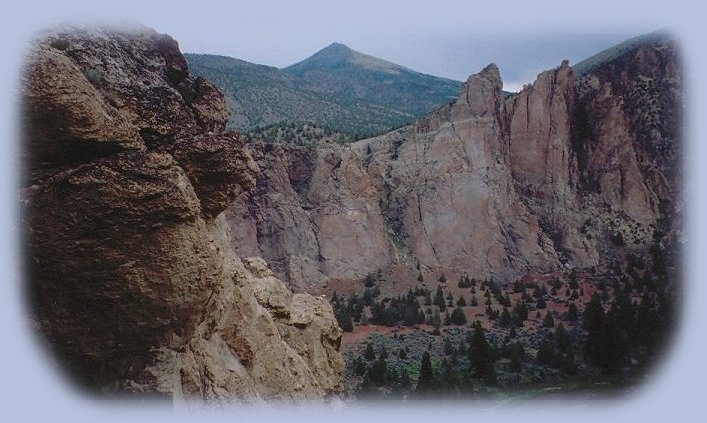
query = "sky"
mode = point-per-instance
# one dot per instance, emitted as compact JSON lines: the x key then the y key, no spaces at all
{"x":451,"y":39}
{"x":520,"y":56}
{"x":440,"y":37}
{"x":435,"y":44}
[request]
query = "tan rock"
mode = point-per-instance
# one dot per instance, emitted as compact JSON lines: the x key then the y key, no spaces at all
{"x":313,"y":216}
{"x":132,"y":276}
{"x":485,"y":185}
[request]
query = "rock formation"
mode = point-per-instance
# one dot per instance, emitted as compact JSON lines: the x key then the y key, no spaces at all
{"x":487,"y":185}
{"x":144,"y":218}
{"x":131,"y":273}
{"x":314,"y":215}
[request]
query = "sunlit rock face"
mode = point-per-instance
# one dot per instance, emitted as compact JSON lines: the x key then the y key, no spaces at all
{"x":489,"y":185}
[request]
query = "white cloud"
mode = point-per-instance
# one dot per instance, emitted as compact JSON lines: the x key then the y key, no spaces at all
{"x":513,"y":87}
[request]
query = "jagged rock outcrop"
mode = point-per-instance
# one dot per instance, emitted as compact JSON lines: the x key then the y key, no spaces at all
{"x":543,"y":162}
{"x":451,"y":191}
{"x":488,"y":185}
{"x":540,"y":131}
{"x":131,"y":273}
{"x":314,"y":215}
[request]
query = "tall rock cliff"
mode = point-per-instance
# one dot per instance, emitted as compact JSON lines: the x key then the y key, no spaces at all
{"x":562,"y":174}
{"x":131,"y":273}
{"x":314,"y":216}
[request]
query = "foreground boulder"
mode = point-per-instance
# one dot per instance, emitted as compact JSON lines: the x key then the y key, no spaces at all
{"x":130,"y":269}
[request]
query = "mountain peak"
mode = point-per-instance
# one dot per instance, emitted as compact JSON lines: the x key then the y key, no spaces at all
{"x":336,"y":46}
{"x":337,"y":55}
{"x":332,"y":52}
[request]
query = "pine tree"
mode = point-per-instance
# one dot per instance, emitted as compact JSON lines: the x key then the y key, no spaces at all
{"x":573,"y":280}
{"x":439,"y":298}
{"x":481,"y":357}
{"x":512,"y":333}
{"x":541,"y":305}
{"x":383,"y":352}
{"x":436,"y":322}
{"x":425,"y":382}
{"x":516,"y":356}
{"x":343,"y":317}
{"x":505,"y":319}
{"x":448,"y":377}
{"x":461,"y":302}
{"x":359,"y":366}
{"x":556,"y":284}
{"x":563,"y":340}
{"x":458,"y":317}
{"x":549,"y":321}
{"x":572,"y":314}
{"x":594,"y":323}
{"x":370,"y":354}
{"x":521,"y":311}
{"x":539,"y":292}
{"x":545,"y":355}
{"x":377,"y":372}
{"x":474,"y":301}
{"x":370,"y":280}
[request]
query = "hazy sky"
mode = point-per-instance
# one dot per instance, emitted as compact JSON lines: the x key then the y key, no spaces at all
{"x":450,"y":39}
{"x":519,"y":56}
{"x":441,"y":46}
{"x":440,"y":37}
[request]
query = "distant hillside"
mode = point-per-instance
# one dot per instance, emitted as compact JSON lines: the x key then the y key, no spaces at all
{"x":302,"y":134}
{"x":337,"y":87}
{"x":613,"y":53}
{"x":339,"y":71}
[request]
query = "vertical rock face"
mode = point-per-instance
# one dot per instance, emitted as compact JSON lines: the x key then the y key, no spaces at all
{"x":131,"y":273}
{"x":485,"y":185}
{"x":543,"y":162}
{"x":314,"y":215}
{"x":451,"y":191}
{"x":540,"y":150}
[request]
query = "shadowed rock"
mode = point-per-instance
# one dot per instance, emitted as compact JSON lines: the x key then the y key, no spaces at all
{"x":130,"y":270}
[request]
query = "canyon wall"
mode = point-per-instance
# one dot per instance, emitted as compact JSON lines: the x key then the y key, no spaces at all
{"x":560,"y":174}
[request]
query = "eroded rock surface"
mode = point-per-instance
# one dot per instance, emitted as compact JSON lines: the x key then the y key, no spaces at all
{"x":314,"y":215}
{"x":131,"y":272}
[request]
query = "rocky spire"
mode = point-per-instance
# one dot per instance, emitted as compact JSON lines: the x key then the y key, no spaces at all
{"x":480,"y":95}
